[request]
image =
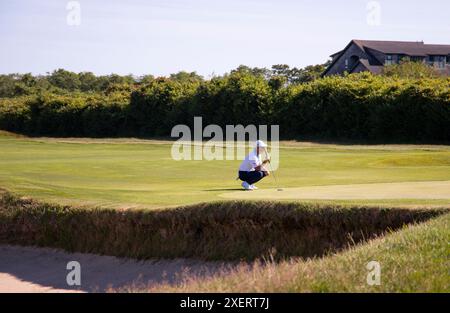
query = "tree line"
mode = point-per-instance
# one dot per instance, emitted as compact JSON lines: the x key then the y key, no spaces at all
{"x":363,"y":107}
{"x":12,"y":85}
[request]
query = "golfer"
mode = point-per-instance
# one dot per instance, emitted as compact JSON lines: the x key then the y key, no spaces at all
{"x":252,"y":169}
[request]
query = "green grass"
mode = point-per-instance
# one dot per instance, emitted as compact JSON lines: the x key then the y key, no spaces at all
{"x":127,"y":173}
{"x":414,"y":259}
{"x":117,"y":173}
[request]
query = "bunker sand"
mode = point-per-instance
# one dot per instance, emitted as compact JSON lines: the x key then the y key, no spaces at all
{"x":403,"y":190}
{"x":28,"y":269}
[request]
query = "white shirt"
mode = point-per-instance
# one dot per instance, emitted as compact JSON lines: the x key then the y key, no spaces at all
{"x":250,"y":162}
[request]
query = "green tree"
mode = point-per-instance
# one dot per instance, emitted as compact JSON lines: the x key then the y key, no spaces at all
{"x":88,"y":81}
{"x":277,"y":82}
{"x":281,"y":70}
{"x":7,"y":85}
{"x":146,"y":79}
{"x":65,"y":79}
{"x":186,"y":77}
{"x":409,"y":69}
{"x":307,"y":74}
{"x":115,"y":79}
{"x":255,"y":71}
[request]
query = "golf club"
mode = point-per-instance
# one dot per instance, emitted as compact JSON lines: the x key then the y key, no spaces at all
{"x":273,"y":173}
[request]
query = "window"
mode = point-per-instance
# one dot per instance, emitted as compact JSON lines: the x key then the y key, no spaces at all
{"x":353,"y":61}
{"x":448,"y":59}
{"x":389,"y":59}
{"x":437,"y":61}
{"x":440,"y":61}
{"x":417,"y":59}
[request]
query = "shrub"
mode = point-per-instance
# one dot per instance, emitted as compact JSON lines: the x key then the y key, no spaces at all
{"x":358,"y":107}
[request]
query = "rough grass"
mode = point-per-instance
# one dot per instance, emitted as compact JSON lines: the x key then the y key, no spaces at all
{"x":234,"y":230}
{"x":414,"y":259}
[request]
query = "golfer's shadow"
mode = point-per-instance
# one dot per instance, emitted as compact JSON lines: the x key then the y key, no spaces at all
{"x":229,"y":189}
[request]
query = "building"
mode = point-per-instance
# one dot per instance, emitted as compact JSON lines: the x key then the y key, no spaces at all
{"x":368,"y":55}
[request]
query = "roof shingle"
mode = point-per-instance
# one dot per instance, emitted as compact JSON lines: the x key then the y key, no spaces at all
{"x":411,"y":48}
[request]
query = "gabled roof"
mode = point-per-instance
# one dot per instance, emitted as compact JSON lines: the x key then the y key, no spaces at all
{"x":376,"y":69}
{"x":412,"y":48}
{"x":336,"y":54}
{"x":409,"y":48}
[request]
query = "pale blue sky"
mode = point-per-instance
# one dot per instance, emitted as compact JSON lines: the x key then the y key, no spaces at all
{"x":208,"y":36}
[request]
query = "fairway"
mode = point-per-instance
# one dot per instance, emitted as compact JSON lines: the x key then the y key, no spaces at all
{"x":130,"y":173}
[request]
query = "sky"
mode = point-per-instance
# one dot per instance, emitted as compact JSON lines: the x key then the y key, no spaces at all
{"x":210,"y":37}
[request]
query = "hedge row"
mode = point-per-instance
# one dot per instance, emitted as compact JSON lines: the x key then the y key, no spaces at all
{"x":360,"y":107}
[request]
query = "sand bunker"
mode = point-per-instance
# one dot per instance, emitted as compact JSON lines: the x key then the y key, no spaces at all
{"x":403,"y":190}
{"x":27,"y":269}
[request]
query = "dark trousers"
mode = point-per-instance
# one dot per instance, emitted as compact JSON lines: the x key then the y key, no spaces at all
{"x":252,"y":177}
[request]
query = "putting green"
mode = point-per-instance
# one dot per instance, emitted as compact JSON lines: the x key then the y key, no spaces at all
{"x":403,"y":190}
{"x":129,"y":173}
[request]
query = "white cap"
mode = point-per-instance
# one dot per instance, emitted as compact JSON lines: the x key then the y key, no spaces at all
{"x":261,"y":144}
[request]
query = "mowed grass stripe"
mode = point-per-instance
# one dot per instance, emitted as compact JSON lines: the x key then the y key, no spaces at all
{"x":142,"y":173}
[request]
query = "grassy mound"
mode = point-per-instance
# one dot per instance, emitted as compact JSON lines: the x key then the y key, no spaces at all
{"x":414,"y":259}
{"x":210,"y":231}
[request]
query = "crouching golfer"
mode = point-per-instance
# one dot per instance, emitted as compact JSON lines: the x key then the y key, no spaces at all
{"x":252,"y":168}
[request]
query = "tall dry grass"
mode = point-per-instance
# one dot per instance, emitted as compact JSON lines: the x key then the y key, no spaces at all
{"x":211,"y":231}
